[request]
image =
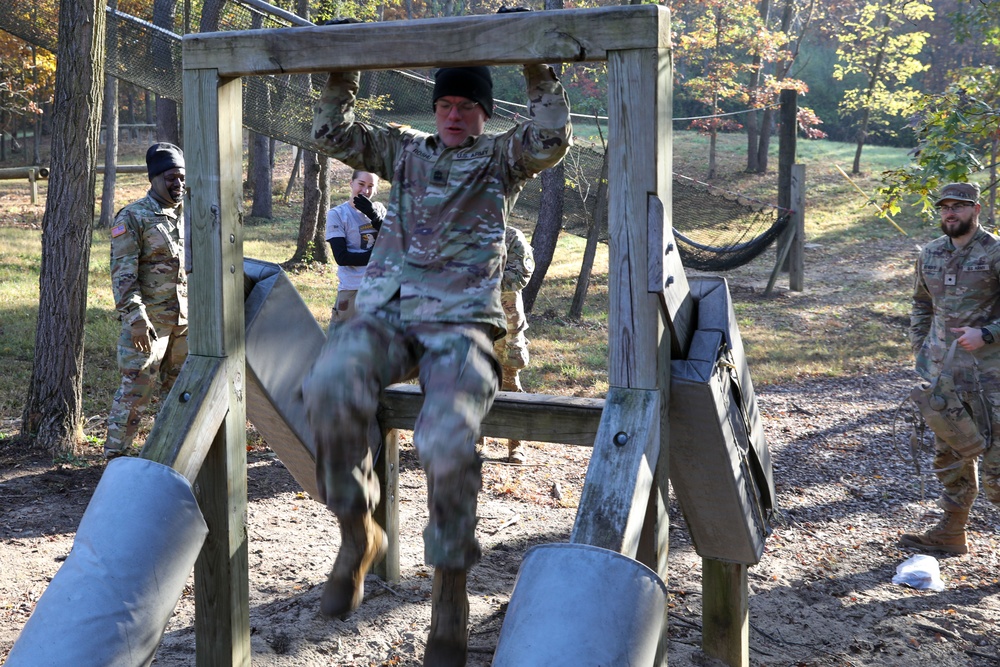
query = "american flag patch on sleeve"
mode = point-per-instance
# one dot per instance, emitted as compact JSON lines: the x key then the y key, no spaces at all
{"x":118,"y":231}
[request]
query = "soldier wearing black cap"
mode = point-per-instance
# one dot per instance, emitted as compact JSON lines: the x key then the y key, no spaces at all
{"x":428,"y":304}
{"x":150,"y":289}
{"x":956,"y":304}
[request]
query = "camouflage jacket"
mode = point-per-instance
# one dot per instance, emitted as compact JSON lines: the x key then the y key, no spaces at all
{"x":517,"y":270}
{"x":147,"y":263}
{"x":957,"y":287}
{"x":441,"y":245}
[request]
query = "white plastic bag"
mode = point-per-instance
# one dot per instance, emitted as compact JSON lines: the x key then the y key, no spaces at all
{"x":920,"y":571}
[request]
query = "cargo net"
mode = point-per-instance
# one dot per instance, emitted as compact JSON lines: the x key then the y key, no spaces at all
{"x":725,"y":233}
{"x":717,"y":230}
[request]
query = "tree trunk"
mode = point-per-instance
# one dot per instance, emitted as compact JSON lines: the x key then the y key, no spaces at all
{"x":598,"y":223}
{"x":295,"y":173}
{"x":54,"y":408}
{"x":110,"y":130}
{"x":310,"y":207}
{"x":167,"y":125}
{"x":862,"y":135}
{"x":766,"y":130}
{"x":260,"y":178}
{"x":546,"y":234}
{"x":36,"y":143}
{"x":712,"y":146}
{"x":211,"y":10}
{"x":321,"y":250}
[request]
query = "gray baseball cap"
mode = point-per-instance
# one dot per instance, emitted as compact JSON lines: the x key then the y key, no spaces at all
{"x":959,"y":192}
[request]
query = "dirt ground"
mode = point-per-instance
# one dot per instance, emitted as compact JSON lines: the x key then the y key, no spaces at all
{"x":822,"y":595}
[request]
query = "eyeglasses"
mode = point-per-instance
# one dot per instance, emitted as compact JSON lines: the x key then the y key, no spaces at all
{"x":961,"y":206}
{"x":444,"y":108}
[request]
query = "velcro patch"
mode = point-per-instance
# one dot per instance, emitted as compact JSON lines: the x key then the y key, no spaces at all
{"x":118,"y":231}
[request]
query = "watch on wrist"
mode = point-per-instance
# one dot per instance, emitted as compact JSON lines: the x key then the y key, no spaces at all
{"x":987,"y":336}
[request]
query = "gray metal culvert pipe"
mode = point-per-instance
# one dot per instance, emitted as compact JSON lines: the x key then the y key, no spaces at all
{"x":109,"y":603}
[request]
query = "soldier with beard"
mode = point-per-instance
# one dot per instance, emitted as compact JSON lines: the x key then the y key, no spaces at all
{"x":150,"y":289}
{"x":956,"y":299}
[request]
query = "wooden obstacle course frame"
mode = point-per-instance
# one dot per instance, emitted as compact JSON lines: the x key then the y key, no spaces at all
{"x":629,"y":464}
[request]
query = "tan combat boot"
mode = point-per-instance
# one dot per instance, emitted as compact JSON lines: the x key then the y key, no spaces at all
{"x":516,"y":453}
{"x":948,"y":535}
{"x":448,"y":640}
{"x":363,"y":543}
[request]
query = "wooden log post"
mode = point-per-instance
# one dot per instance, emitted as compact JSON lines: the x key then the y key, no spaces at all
{"x":787,"y":136}
{"x":797,"y":250}
{"x":725,"y":612}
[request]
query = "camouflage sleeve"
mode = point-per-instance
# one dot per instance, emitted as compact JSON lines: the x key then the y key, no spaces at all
{"x":544,"y":139}
{"x":126,"y":244}
{"x":922,"y":313}
{"x":354,"y":143}
{"x":520,"y":262}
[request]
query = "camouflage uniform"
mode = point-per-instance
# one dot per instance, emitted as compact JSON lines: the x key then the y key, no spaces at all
{"x":430,"y":298}
{"x":957,"y":287}
{"x":149,"y":282}
{"x":512,"y":349}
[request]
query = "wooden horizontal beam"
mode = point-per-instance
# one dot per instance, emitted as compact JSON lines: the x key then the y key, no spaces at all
{"x":537,"y":417}
{"x":577,"y":35}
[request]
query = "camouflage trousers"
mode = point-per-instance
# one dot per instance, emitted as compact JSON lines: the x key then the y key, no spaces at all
{"x":459,"y":378}
{"x":143,"y":374}
{"x":961,"y":483}
{"x":512,"y":350}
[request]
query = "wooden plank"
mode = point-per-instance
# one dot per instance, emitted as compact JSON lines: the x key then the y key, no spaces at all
{"x":495,"y":39}
{"x":538,"y":417}
{"x":214,"y":159}
{"x":190,"y":416}
{"x":725,"y":612}
{"x":639,"y":164}
{"x":387,"y":512}
{"x":620,"y":475}
{"x":667,"y":278}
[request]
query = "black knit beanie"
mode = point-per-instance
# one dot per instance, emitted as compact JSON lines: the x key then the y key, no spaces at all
{"x":161,"y":157}
{"x":474,"y":83}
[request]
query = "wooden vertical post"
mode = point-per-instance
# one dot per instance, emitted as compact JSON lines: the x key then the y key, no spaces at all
{"x":214,"y":160}
{"x":787,"y":134}
{"x":387,"y":512}
{"x":796,"y":254}
{"x":725,"y":612}
{"x":640,"y":163}
{"x":33,"y":181}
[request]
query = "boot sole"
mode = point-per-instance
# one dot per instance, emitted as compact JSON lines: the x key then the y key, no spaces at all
{"x":922,"y":546}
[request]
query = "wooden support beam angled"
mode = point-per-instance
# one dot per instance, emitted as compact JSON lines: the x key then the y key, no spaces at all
{"x":190,"y":416}
{"x":620,"y":475}
{"x":577,"y":35}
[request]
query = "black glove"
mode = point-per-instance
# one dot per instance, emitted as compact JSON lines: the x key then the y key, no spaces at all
{"x":364,"y":204}
{"x":510,"y":10}
{"x":340,"y":21}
